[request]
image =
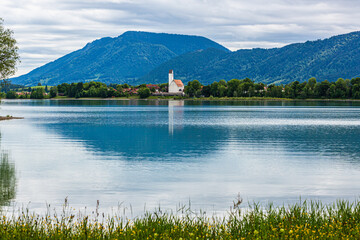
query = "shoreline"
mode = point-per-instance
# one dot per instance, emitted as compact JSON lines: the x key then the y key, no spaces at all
{"x":257,"y":99}
{"x":3,"y":118}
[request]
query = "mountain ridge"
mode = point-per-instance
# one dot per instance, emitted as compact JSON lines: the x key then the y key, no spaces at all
{"x":330,"y":58}
{"x":144,"y":57}
{"x":116,"y":60}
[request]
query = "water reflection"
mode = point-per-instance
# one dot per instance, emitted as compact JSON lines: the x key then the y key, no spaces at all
{"x":7,"y":180}
{"x":152,"y":152}
{"x":177,"y":114}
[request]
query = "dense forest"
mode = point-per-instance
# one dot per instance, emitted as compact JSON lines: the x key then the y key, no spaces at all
{"x":341,"y":89}
{"x":311,"y":89}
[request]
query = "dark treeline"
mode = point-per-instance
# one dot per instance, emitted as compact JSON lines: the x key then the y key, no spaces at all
{"x":98,"y":89}
{"x":311,"y":89}
{"x":344,"y":89}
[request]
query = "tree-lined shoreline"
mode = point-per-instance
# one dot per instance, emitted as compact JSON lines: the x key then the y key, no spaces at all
{"x":235,"y":89}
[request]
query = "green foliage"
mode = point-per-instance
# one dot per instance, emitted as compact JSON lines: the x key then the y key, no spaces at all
{"x":53,"y":92}
{"x":341,"y":89}
{"x":144,"y":92}
{"x":11,"y":95}
{"x":38,"y":93}
{"x":193,"y":89}
{"x":304,"y":220}
{"x":8,"y":52}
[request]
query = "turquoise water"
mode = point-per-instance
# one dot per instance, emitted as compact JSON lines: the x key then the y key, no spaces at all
{"x":167,"y":153}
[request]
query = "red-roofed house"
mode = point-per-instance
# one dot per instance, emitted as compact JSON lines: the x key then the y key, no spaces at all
{"x":175,"y":85}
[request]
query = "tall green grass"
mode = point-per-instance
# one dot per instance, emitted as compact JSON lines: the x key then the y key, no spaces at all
{"x":304,"y":220}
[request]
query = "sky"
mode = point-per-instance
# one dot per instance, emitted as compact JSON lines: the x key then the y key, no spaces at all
{"x":48,"y":29}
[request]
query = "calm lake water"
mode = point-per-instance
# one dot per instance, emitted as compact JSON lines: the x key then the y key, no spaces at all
{"x":169,"y":152}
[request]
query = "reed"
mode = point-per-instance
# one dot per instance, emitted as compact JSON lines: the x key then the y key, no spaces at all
{"x":304,"y":220}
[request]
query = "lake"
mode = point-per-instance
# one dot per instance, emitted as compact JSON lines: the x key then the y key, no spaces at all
{"x":138,"y":154}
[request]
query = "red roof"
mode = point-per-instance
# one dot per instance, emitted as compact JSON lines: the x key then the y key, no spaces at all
{"x":152,"y":86}
{"x":179,"y":83}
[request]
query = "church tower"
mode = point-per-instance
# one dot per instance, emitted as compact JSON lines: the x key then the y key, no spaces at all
{"x":171,"y":76}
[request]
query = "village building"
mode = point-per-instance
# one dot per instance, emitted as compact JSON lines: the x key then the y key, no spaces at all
{"x":175,"y":85}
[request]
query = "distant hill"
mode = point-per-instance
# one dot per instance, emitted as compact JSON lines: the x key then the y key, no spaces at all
{"x":330,"y":59}
{"x":116,"y":60}
{"x":142,"y":57}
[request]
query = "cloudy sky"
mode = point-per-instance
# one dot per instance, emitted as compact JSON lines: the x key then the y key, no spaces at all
{"x":48,"y":29}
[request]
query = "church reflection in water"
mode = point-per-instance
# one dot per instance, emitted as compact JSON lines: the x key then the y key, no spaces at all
{"x":176,"y":114}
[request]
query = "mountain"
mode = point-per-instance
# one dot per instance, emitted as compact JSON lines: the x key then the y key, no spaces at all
{"x":116,"y":60}
{"x":142,"y":57}
{"x":332,"y":58}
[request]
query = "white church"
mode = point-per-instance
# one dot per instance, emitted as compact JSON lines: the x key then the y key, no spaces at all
{"x":175,"y":85}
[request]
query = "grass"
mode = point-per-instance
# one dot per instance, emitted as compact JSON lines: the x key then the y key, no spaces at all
{"x":305,"y":220}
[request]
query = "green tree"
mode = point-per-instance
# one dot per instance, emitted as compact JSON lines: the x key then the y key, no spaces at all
{"x":223,"y":82}
{"x":38,"y":93}
{"x":340,"y":91}
{"x":214,"y":89}
{"x":356,"y":91}
{"x":164,"y":87}
{"x":332,"y":91}
{"x":193,"y":88}
{"x":196,"y":85}
{"x":144,"y":92}
{"x":311,"y":83}
{"x":274,"y":91}
{"x":63,"y":88}
{"x":233,"y":85}
{"x":206,"y":91}
{"x":322,"y":89}
{"x":11,"y":95}
{"x":310,"y":87}
{"x":103,"y":92}
{"x":92,"y":92}
{"x":355,"y":81}
{"x":119,"y":88}
{"x":53,"y":92}
{"x":222,"y":91}
{"x":259,"y":89}
{"x":9,"y":56}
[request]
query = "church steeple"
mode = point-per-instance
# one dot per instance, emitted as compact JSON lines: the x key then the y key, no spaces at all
{"x":171,"y":76}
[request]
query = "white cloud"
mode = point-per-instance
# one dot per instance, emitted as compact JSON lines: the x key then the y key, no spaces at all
{"x":48,"y":29}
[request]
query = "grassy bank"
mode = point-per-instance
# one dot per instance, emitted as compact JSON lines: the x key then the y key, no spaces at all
{"x":306,"y":220}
